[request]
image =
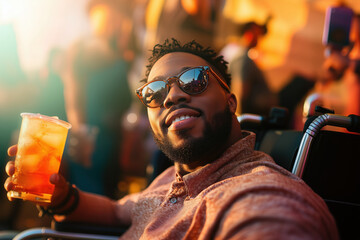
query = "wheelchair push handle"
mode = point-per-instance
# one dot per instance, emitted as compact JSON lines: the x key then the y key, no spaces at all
{"x":351,"y":123}
{"x":354,"y":123}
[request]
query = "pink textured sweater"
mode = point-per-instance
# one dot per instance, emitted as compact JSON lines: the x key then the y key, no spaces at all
{"x":242,"y":195}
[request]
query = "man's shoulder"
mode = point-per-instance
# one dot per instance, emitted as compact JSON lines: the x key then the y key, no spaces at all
{"x":262,"y":176}
{"x":266,"y":192}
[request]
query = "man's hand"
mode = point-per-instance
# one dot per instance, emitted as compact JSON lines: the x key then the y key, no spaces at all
{"x":61,"y":186}
{"x":334,"y":66}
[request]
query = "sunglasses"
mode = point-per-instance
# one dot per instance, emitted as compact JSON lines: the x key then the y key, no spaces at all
{"x":191,"y":81}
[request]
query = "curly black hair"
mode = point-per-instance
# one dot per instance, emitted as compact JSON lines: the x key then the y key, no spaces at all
{"x":192,"y":47}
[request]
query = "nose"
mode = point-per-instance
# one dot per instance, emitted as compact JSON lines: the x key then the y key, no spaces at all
{"x":175,"y":96}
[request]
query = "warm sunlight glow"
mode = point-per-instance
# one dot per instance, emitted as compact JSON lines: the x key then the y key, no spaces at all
{"x":190,"y":6}
{"x":99,"y":16}
{"x":40,"y":25}
{"x":288,"y":16}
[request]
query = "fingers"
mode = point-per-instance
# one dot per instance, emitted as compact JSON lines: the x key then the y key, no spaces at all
{"x":9,"y":185}
{"x":12,"y":150}
{"x":10,"y":168}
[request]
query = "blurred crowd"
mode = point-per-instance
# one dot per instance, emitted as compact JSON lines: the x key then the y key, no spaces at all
{"x":91,"y":85}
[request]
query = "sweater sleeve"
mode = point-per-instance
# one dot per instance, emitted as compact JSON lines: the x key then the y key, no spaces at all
{"x":276,"y":207}
{"x":97,"y":209}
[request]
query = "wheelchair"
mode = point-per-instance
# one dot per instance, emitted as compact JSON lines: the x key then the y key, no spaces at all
{"x":327,"y":161}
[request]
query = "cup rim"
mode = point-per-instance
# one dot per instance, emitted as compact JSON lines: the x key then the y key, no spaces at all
{"x":54,"y":119}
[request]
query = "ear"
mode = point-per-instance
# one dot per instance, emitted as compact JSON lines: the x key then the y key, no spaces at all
{"x":232,"y":102}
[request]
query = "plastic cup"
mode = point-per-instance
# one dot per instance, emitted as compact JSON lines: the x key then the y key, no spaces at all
{"x":40,"y":147}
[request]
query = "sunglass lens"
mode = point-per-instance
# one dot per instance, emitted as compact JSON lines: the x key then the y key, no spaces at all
{"x":193,"y":81}
{"x":154,"y":94}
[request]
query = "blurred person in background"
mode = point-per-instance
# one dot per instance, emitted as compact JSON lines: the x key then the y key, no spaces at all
{"x":139,"y":146}
{"x":249,"y":83}
{"x":338,"y":85}
{"x":97,"y":95}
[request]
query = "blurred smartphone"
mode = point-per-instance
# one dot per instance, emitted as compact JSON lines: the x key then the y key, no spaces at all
{"x":337,"y":26}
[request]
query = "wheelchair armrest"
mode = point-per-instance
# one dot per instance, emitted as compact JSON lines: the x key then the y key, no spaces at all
{"x":77,"y":227}
{"x":35,"y":233}
{"x":72,"y":230}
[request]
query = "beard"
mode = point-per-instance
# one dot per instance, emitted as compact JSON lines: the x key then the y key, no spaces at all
{"x":215,"y":133}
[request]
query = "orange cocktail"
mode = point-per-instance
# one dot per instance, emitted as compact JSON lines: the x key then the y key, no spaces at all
{"x":40,"y":148}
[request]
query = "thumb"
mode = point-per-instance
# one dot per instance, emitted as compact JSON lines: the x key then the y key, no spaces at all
{"x":57,"y":179}
{"x":61,"y":188}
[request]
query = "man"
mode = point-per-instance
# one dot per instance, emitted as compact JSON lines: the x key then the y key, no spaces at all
{"x":249,"y":83}
{"x":219,"y":188}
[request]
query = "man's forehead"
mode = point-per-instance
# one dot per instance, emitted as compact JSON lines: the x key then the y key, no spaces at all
{"x":172,"y":64}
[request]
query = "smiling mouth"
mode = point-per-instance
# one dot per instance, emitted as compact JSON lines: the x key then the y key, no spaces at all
{"x":181,"y":118}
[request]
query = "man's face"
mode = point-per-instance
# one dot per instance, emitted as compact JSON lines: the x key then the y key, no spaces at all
{"x":188,"y":126}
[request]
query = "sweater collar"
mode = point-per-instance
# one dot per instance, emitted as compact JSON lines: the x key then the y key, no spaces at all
{"x":211,"y":173}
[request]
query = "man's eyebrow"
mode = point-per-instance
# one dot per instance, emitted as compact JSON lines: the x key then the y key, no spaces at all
{"x":158,"y":78}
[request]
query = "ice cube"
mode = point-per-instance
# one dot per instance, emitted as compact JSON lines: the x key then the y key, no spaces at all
{"x":54,"y":164}
{"x":28,"y":163}
{"x":51,"y":140}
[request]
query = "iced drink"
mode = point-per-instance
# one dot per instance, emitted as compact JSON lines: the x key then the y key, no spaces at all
{"x":40,"y":148}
